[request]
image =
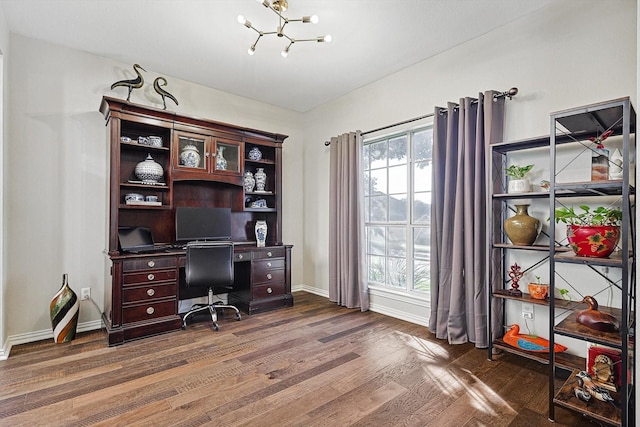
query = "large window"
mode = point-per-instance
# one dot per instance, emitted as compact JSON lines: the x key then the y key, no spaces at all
{"x":397,"y":194}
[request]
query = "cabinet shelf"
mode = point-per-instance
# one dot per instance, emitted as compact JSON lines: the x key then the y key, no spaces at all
{"x":565,"y":360}
{"x":142,"y":147}
{"x":614,"y":260}
{"x":539,"y":248}
{"x":569,"y":327}
{"x":560,"y":303}
{"x":260,"y":162}
{"x":260,"y":210}
{"x":601,"y":411}
{"x":155,"y":187}
{"x":516,"y":196}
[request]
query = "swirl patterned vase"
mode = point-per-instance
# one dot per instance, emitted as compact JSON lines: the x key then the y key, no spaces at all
{"x":190,"y":156}
{"x":248,"y":182}
{"x":261,"y":233}
{"x":521,"y":228}
{"x":261,"y":179}
{"x":221,"y":162}
{"x":64,"y":310}
{"x":149,"y":171}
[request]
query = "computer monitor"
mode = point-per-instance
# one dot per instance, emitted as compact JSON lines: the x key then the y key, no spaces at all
{"x":202,"y":224}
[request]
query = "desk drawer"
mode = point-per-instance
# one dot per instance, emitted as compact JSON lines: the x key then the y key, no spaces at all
{"x":264,"y":265}
{"x":151,"y":292}
{"x":149,"y":276}
{"x":268,"y":290}
{"x":149,"y":263}
{"x":267,"y":276}
{"x":138,"y":313}
{"x":269,"y":253}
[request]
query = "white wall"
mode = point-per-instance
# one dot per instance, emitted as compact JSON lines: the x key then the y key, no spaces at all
{"x":57,"y":173}
{"x":567,"y":54}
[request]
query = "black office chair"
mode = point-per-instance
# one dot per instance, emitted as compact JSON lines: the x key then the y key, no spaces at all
{"x":210,"y":265}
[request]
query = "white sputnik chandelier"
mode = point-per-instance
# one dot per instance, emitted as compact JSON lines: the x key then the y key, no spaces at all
{"x":279,"y":7}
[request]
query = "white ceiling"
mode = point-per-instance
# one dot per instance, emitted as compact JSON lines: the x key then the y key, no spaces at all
{"x":201,"y":40}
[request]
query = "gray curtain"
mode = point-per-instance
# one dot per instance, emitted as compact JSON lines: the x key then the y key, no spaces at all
{"x":459,"y":218}
{"x":347,"y":284}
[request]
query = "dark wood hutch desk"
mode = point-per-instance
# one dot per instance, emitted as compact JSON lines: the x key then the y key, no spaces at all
{"x":143,"y":295}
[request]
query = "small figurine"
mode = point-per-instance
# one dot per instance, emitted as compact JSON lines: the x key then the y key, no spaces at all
{"x":529,"y":342}
{"x":544,"y":184}
{"x":595,"y":319}
{"x":515,"y":272}
{"x":163,"y":93}
{"x":581,"y":394}
{"x":133,"y":83}
{"x":587,"y":385}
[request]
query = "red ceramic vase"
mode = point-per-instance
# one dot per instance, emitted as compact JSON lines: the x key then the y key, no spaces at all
{"x":597,"y":241}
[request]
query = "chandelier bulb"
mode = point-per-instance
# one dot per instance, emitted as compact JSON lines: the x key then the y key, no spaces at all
{"x":284,"y":53}
{"x":314,"y":19}
{"x":327,"y":38}
{"x":241,"y":19}
{"x":252,"y":50}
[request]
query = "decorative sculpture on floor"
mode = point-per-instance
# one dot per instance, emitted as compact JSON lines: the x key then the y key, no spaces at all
{"x":163,"y":93}
{"x":529,"y":342}
{"x":133,"y":83}
{"x":595,"y":319}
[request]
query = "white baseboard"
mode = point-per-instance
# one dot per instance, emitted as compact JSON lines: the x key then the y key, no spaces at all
{"x":42,"y":335}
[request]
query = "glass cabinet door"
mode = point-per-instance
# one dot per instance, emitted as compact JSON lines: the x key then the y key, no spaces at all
{"x":191,"y":152}
{"x":227,"y":156}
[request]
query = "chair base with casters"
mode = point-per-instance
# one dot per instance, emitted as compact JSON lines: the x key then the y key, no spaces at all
{"x":211,"y":306}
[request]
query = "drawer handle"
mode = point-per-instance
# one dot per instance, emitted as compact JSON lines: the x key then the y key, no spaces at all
{"x":151,"y":263}
{"x":269,"y":276}
{"x":269,"y":290}
{"x":150,"y":276}
{"x":269,"y":254}
{"x":269,"y":264}
{"x":151,"y":292}
{"x":240,"y":256}
{"x":150,"y":310}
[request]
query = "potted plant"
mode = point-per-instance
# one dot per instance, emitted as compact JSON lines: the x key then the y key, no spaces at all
{"x":517,"y":181}
{"x":591,"y":233}
{"x":538,"y":290}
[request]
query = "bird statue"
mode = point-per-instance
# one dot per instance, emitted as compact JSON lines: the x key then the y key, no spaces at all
{"x":529,"y":342}
{"x":163,"y":93}
{"x":587,"y":385}
{"x":581,"y":394}
{"x":133,"y":83}
{"x":595,"y":319}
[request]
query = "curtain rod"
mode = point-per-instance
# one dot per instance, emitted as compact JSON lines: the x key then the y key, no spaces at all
{"x":509,"y":94}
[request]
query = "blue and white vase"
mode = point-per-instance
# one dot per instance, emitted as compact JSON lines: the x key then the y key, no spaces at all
{"x":64,"y":309}
{"x":248,"y":182}
{"x":261,"y":179}
{"x":255,"y":154}
{"x":261,"y":233}
{"x":221,"y":162}
{"x":190,"y":156}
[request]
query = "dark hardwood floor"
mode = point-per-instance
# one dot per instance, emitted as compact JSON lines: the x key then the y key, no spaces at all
{"x":315,"y":364}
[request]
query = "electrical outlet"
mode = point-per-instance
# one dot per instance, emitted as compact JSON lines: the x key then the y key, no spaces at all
{"x":527,"y":310}
{"x":85,"y":294}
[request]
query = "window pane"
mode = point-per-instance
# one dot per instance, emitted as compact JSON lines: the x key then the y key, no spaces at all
{"x":378,"y":208}
{"x":378,"y":154}
{"x":398,"y":208}
{"x":421,"y":242}
{"x":398,"y":179}
{"x":397,"y":276}
{"x":365,"y":157}
{"x":398,"y":150}
{"x":422,"y":145}
{"x":376,"y":236}
{"x":397,"y":241}
{"x":422,"y":207}
{"x":376,"y":269}
{"x":366,"y":183}
{"x":367,"y":209}
{"x":422,"y":176}
{"x":378,"y":181}
{"x":421,"y":276}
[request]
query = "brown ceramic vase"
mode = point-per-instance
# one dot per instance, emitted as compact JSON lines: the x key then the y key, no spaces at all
{"x":521,"y":228}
